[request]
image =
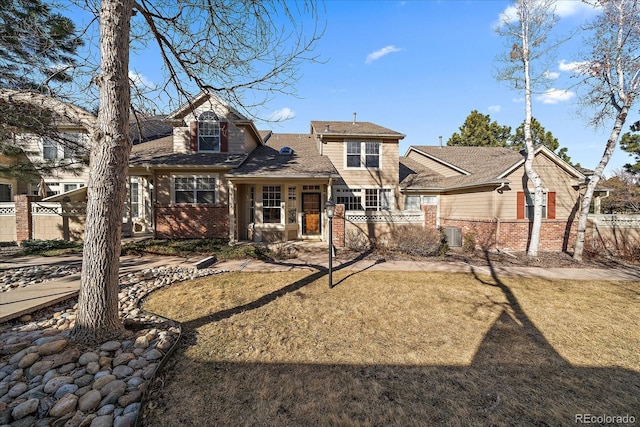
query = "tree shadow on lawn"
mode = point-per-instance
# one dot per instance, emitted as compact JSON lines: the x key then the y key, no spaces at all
{"x":516,"y":378}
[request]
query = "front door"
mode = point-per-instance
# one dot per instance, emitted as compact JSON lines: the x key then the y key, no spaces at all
{"x":311,"y":213}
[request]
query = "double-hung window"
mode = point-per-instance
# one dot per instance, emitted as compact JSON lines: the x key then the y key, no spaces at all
{"x":363,"y":154}
{"x":353,"y":154}
{"x":49,"y":149}
{"x":194,"y":189}
{"x":412,"y":203}
{"x":272,"y":204}
{"x":377,"y":199}
{"x":372,"y":154}
{"x":529,"y":205}
{"x":208,"y":132}
{"x":525,"y":205}
{"x":351,"y":198}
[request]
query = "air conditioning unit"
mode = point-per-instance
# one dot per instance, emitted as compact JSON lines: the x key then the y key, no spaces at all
{"x":453,"y":236}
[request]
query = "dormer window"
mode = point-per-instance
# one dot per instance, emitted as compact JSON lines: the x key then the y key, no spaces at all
{"x":208,"y":132}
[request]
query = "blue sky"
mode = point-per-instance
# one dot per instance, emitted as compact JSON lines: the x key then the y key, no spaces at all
{"x":420,"y":68}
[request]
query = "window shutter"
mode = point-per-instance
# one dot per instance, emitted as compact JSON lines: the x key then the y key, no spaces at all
{"x":551,"y":205}
{"x":193,"y":136}
{"x":224,"y":137}
{"x":520,"y":205}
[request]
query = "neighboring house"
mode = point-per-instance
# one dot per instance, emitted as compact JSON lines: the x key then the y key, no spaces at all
{"x":178,"y":185}
{"x":485,"y":191}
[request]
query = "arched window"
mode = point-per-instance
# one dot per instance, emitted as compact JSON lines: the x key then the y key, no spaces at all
{"x":208,"y":132}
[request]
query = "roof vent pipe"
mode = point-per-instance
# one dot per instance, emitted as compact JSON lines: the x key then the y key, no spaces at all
{"x":326,"y":128}
{"x":440,"y":137}
{"x":354,"y":118}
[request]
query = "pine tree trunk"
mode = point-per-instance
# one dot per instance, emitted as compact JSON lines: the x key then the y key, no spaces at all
{"x":621,"y":118}
{"x":98,"y":318}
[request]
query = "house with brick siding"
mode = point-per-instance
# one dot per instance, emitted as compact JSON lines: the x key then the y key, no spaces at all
{"x":484,"y":191}
{"x":218,"y":176}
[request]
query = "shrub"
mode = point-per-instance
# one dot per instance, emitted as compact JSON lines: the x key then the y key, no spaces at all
{"x":36,"y":246}
{"x":469,"y":242}
{"x":357,"y":241}
{"x":419,"y":241}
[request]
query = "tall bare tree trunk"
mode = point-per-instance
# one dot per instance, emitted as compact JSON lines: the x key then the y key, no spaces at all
{"x":534,"y":237}
{"x":98,"y":318}
{"x":621,"y":118}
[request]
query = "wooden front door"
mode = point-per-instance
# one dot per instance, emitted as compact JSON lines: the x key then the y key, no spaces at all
{"x":311,"y":211}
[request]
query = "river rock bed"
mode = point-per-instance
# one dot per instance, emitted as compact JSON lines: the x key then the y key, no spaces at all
{"x":25,"y":276}
{"x":47,"y":380}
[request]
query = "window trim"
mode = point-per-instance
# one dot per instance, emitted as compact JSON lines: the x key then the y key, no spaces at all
{"x":51,"y":144}
{"x":362,"y":153}
{"x":275,"y":204}
{"x":209,"y":117}
{"x":358,"y":197}
{"x":524,"y":203}
{"x":194,"y":178}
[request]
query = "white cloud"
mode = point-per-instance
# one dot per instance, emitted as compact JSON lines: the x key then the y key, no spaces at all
{"x":141,"y":81}
{"x":554,"y":96}
{"x":380,"y":53}
{"x":551,"y":75}
{"x":495,"y":108}
{"x":570,"y":8}
{"x":510,"y":14}
{"x":518,"y":100}
{"x":576,"y":67}
{"x":563,"y":8}
{"x":282,"y":114}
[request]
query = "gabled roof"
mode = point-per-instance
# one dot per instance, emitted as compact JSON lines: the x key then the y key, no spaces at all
{"x":363,"y":129}
{"x":145,"y":128}
{"x":554,"y":157}
{"x":304,"y":162}
{"x":188,"y":107}
{"x":238,"y":119}
{"x":414,"y":175}
{"x":159,"y":153}
{"x":480,"y":165}
{"x":471,"y":160}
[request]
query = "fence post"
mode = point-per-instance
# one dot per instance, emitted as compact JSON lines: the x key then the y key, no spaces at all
{"x":24,"y":218}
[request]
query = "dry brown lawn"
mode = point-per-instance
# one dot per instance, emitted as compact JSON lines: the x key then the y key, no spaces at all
{"x":406,"y":349}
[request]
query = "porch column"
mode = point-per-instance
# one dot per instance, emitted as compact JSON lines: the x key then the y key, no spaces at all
{"x":232,"y":213}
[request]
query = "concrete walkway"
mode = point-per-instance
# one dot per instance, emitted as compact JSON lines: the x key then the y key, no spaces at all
{"x":30,"y":298}
{"x":25,"y":300}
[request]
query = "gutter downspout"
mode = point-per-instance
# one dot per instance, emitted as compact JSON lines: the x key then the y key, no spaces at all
{"x":499,"y":191}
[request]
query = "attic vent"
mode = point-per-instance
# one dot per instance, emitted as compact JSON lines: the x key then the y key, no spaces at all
{"x":286,"y":151}
{"x":454,"y":236}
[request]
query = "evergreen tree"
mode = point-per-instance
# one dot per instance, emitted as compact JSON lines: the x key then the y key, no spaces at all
{"x":37,"y":45}
{"x":37,"y":52}
{"x":539,"y":136}
{"x":479,"y":131}
{"x":630,"y":143}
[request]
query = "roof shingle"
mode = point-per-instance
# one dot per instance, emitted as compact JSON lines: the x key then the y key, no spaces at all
{"x":305,"y":161}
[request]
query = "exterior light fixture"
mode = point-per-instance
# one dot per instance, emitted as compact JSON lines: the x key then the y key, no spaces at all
{"x":330,"y":207}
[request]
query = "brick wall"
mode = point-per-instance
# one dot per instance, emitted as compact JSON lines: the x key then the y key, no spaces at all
{"x":555,"y":235}
{"x":430,"y":215}
{"x":24,"y":224}
{"x":338,"y":226}
{"x":191,"y":222}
